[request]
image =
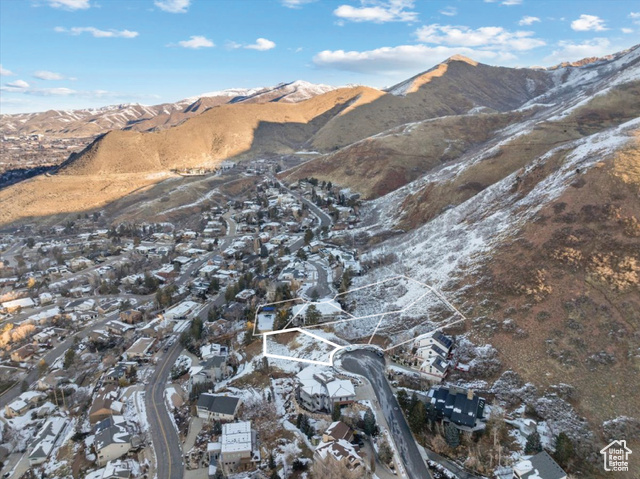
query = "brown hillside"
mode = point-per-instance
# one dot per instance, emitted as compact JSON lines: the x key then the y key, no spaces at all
{"x":222,"y":132}
{"x":452,"y":88}
{"x":570,"y":284}
{"x":616,"y":107}
{"x":383,"y":163}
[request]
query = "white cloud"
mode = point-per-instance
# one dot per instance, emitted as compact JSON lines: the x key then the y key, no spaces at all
{"x":588,"y":23}
{"x":47,"y":75}
{"x":379,"y":12}
{"x":5,"y":73}
{"x":487,"y":37}
{"x":60,"y":91}
{"x":196,"y":41}
{"x":70,"y":4}
{"x":401,"y":59}
{"x":173,"y":6}
{"x":17,"y":85}
{"x":261,"y":44}
{"x":626,"y":30}
{"x":508,"y":3}
{"x":231,"y":45}
{"x":635,"y":16}
{"x":570,"y":51}
{"x":295,"y":3}
{"x":528,"y":20}
{"x":449,"y":11}
{"x":97,"y":33}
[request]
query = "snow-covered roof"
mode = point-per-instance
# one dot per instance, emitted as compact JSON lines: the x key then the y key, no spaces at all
{"x":340,"y":388}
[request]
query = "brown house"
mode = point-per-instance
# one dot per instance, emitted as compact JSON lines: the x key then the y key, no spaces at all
{"x":24,"y":353}
{"x":105,"y":404}
{"x":131,"y":316}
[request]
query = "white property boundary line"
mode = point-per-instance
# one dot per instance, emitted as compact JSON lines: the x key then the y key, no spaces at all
{"x":338,"y":347}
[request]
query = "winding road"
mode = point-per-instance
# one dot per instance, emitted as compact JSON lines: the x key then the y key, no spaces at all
{"x":371,"y":366}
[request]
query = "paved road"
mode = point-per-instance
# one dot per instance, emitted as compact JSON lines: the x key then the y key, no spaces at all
{"x":325,"y":219}
{"x":15,"y":391}
{"x":166,"y":443}
{"x":371,"y":366}
{"x":322,"y":285}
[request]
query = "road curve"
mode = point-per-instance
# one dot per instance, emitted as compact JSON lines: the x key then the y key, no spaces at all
{"x":371,"y":366}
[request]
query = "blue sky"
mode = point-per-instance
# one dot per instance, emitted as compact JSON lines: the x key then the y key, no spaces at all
{"x":62,"y":54}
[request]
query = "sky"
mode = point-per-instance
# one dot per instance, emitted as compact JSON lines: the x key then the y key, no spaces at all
{"x":67,"y":54}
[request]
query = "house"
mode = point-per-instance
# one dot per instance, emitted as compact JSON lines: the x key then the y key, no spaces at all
{"x":16,"y":408}
{"x":318,"y":390}
{"x":338,"y":430}
{"x":223,"y":408}
{"x":540,"y":466}
{"x":105,"y":404}
{"x":462,"y":407}
{"x":43,"y":443}
{"x":111,"y":443}
{"x":238,"y":448}
{"x":118,"y":372}
{"x":328,"y":309}
{"x":118,"y":327}
{"x":157,"y":328}
{"x":340,"y":392}
{"x":140,"y":349}
{"x":438,"y":339}
{"x":22,"y":354}
{"x":131,"y":316}
{"x":245,"y":295}
{"x":336,"y":446}
{"x":432,"y":353}
{"x":212,"y":349}
{"x":182,"y":310}
{"x":17,"y":304}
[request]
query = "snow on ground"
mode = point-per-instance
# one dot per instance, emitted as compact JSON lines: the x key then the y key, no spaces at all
{"x":458,"y":238}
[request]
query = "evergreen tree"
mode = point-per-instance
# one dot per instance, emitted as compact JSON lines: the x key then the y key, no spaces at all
{"x":416,"y":417}
{"x":533,"y":445}
{"x":313,"y":315}
{"x":452,"y":435}
{"x":336,"y":413}
{"x":369,"y":423}
{"x":403,"y":400}
{"x":564,"y":449}
{"x":69,"y":358}
{"x":308,"y":236}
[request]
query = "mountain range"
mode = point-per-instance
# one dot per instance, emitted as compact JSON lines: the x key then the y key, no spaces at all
{"x":95,"y":121}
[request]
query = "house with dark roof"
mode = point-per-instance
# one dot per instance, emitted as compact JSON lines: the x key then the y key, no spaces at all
{"x":540,"y":466}
{"x":111,"y":443}
{"x":462,"y":407}
{"x":338,"y":430}
{"x":432,"y":352}
{"x":211,"y":407}
{"x":43,"y":444}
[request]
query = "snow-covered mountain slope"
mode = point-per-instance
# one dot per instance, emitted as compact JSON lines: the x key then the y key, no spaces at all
{"x":94,"y":121}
